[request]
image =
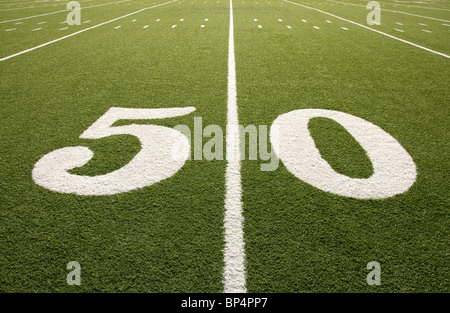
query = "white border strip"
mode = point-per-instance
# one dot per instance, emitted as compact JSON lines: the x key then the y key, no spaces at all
{"x":234,"y":253}
{"x":374,"y":30}
{"x":387,"y":10}
{"x":83,"y":30}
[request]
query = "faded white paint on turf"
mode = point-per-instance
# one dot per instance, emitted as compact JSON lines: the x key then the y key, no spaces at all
{"x":371,"y":29}
{"x":394,"y":171}
{"x":234,"y":252}
{"x":83,"y":30}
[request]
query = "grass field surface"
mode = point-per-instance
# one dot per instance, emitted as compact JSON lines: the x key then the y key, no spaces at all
{"x":172,"y":235}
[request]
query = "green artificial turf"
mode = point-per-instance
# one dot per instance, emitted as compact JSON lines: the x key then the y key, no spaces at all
{"x":169,"y":237}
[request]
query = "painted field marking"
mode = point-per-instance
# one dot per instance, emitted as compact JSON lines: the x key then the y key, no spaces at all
{"x":363,"y":6}
{"x":157,"y":20}
{"x":83,"y":30}
{"x":117,"y":27}
{"x":289,"y":27}
{"x":234,"y":253}
{"x":415,"y":6}
{"x":399,"y":24}
{"x":445,"y":24}
{"x":11,"y":29}
{"x":399,"y":30}
{"x":304,"y":21}
{"x":344,"y":28}
{"x":255,"y":20}
{"x":427,"y":31}
{"x":181,"y":20}
{"x":422,"y":24}
{"x":206,"y":20}
{"x":145,"y":26}
{"x":173,"y":26}
{"x":64,"y":28}
{"x":34,"y":7}
{"x":18,"y":23}
{"x":133,"y":20}
{"x":61,"y":11}
{"x":259,"y":26}
{"x":328,"y":21}
{"x":41,"y":23}
{"x":371,"y":29}
{"x":280,"y":20}
{"x":202,"y":26}
{"x":316,"y":27}
{"x":394,"y":170}
{"x":33,"y":30}
{"x":85,"y":22}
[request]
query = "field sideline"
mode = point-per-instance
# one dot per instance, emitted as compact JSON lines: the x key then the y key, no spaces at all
{"x":354,"y":118}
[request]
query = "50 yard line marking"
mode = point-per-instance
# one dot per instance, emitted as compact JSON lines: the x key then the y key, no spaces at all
{"x":234,"y":253}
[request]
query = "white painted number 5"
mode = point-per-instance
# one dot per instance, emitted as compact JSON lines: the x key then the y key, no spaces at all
{"x":153,"y":163}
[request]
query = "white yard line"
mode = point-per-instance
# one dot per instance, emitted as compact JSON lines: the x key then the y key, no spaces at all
{"x":83,"y":30}
{"x":234,"y":253}
{"x":50,"y":13}
{"x":371,"y":29}
{"x":387,"y":10}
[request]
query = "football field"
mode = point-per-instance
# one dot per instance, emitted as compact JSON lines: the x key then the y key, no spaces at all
{"x":207,"y":146}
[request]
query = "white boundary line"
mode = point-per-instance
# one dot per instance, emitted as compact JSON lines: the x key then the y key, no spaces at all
{"x":374,"y":30}
{"x":83,"y":30}
{"x":411,"y":14}
{"x":50,"y":13}
{"x":234,"y":253}
{"x":412,"y":6}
